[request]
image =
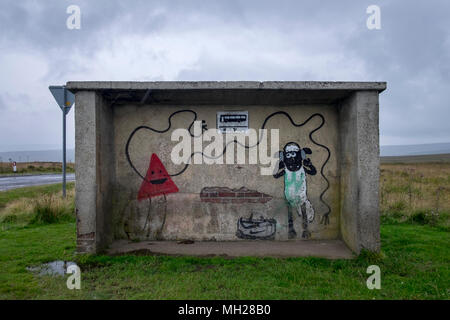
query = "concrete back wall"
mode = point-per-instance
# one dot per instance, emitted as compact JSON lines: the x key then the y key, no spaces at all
{"x":187,"y":216}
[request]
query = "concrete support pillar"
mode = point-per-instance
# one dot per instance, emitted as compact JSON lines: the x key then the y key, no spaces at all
{"x":94,"y":172}
{"x":359,"y":157}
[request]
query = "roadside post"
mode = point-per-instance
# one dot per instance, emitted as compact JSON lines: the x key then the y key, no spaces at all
{"x":65,"y":100}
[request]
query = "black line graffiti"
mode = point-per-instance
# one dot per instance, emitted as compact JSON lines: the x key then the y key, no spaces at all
{"x":127,"y":146}
{"x":261,"y":228}
{"x":325,"y":216}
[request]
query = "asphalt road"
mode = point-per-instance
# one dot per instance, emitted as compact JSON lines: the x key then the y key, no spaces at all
{"x":7,"y":183}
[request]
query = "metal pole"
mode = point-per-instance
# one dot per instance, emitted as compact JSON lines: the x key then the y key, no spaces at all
{"x":64,"y":145}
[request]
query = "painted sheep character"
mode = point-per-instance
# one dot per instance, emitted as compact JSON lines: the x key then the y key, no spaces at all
{"x":294,"y":166}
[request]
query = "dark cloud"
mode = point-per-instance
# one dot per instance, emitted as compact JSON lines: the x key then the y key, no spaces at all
{"x":233,"y":40}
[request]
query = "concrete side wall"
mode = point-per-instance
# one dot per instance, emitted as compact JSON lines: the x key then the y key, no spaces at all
{"x":94,"y":171}
{"x":105,"y":172}
{"x":369,"y":170}
{"x":85,"y":170}
{"x":187,"y":215}
{"x":359,"y":158}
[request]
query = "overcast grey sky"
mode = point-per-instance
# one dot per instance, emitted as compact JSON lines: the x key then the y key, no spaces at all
{"x":225,"y":40}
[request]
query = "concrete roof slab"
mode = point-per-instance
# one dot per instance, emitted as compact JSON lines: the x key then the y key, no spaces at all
{"x":224,"y":92}
{"x":225,"y":85}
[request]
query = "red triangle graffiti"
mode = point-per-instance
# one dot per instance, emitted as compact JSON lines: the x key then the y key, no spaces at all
{"x":157,"y":181}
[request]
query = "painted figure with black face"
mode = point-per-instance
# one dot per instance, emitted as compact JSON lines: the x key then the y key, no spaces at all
{"x":294,"y":165}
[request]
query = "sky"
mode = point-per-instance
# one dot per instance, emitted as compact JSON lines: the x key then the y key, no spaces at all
{"x":224,"y":40}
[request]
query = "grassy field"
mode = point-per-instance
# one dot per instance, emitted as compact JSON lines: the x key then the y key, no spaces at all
{"x":35,"y":167}
{"x":416,"y":192}
{"x":414,"y":261}
{"x":426,"y":158}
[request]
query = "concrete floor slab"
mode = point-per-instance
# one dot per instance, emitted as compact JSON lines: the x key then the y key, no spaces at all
{"x":330,"y":249}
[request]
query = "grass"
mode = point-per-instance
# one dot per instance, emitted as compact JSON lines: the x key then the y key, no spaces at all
{"x":36,"y":205}
{"x":414,"y":261}
{"x":29,"y":193}
{"x":414,"y":265}
{"x":35,"y":168}
{"x":420,"y":159}
{"x":416,"y":192}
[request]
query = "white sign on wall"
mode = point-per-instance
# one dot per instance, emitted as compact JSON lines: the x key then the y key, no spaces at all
{"x":232,"y":121}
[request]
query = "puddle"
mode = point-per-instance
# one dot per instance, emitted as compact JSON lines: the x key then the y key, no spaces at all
{"x":54,"y":268}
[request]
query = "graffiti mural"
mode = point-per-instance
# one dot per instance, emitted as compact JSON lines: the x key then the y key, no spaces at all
{"x":260,"y":228}
{"x":127,"y":146}
{"x":294,"y":166}
{"x":157,"y":181}
{"x":227,"y":195}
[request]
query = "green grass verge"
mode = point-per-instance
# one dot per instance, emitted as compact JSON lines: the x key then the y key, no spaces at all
{"x":31,"y":192}
{"x":414,"y":265}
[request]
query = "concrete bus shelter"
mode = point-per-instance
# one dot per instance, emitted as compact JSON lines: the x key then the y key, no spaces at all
{"x":131,"y":196}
